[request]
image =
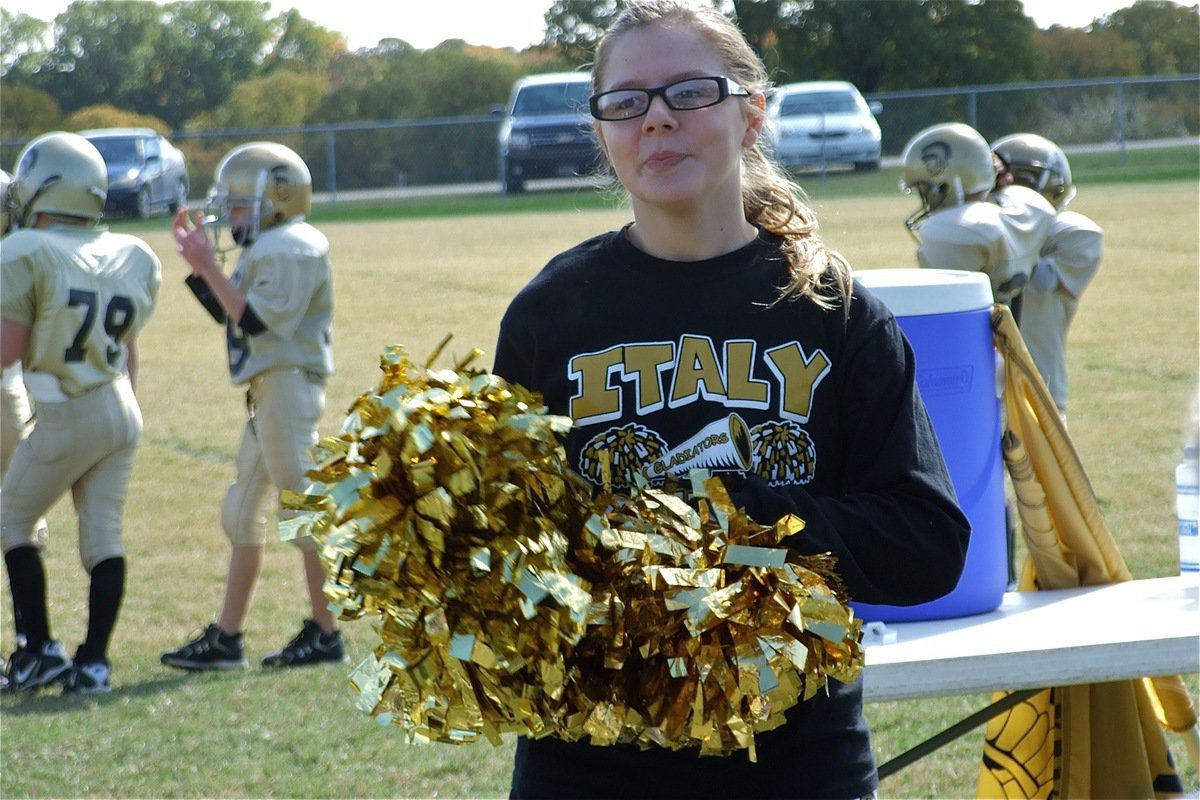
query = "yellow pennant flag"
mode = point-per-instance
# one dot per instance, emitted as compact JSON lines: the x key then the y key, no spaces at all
{"x":1088,"y":741}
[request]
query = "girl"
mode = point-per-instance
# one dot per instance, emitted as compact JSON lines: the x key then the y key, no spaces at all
{"x":718,"y":313}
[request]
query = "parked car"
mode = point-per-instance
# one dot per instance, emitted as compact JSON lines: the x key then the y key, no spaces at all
{"x":146,"y":173}
{"x":823,"y":122}
{"x":547,"y":130}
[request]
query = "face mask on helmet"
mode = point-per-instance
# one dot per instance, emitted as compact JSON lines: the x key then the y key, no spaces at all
{"x":1036,"y":178}
{"x":945,"y":164}
{"x":1039,"y":164}
{"x":241,"y":214}
{"x":256,"y":187}
{"x":933,"y":196}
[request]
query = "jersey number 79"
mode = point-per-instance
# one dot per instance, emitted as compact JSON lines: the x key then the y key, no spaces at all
{"x":118,"y":317}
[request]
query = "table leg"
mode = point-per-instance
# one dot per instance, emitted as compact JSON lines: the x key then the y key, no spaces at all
{"x":954,"y":731}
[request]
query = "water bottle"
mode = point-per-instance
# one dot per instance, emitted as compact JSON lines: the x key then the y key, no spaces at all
{"x":1186,"y":496}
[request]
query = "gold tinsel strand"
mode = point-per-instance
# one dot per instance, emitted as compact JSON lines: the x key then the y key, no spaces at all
{"x":509,"y":597}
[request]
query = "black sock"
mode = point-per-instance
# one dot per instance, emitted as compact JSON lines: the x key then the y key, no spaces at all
{"x":104,"y":603}
{"x":27,"y":581}
{"x":18,"y":625}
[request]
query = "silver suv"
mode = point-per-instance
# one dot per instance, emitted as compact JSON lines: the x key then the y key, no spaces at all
{"x":547,"y":131}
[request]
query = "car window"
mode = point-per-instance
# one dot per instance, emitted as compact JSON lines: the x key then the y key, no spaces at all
{"x":150,"y":147}
{"x":551,"y":98}
{"x":813,"y":103}
{"x":117,"y":151}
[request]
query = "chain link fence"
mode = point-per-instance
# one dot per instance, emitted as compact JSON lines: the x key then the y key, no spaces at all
{"x":1070,"y":113}
{"x":452,"y":151}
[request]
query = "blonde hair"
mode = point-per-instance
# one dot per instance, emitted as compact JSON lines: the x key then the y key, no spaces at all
{"x":771,"y":199}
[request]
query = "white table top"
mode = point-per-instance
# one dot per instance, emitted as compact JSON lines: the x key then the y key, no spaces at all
{"x":1041,"y":639}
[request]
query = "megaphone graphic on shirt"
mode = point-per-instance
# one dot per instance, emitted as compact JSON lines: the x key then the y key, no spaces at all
{"x":721,"y":444}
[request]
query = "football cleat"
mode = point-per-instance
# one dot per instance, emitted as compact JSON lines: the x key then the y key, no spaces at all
{"x":29,"y":669}
{"x":212,"y":649}
{"x":310,"y":646}
{"x":89,"y":678}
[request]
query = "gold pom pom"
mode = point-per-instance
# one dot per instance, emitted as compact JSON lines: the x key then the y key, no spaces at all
{"x":509,"y":596}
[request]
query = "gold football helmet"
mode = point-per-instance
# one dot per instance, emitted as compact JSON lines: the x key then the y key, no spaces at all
{"x":1038,"y":163}
{"x":255,"y":187}
{"x":5,"y":217}
{"x":58,"y":173}
{"x":944,"y":164}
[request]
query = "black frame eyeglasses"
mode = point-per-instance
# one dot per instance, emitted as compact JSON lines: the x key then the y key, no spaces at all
{"x":689,"y":94}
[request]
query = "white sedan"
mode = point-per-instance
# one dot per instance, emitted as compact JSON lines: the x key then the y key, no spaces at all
{"x":821,"y":123}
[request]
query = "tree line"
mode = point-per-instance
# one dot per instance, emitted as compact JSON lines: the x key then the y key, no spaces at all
{"x":206,"y":65}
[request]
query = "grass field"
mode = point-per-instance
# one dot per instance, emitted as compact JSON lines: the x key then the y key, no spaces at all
{"x":412,"y":280}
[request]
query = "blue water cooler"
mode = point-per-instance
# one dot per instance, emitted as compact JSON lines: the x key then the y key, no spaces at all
{"x":946,"y":315}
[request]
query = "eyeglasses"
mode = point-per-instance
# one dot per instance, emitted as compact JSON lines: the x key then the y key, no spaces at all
{"x":686,"y":95}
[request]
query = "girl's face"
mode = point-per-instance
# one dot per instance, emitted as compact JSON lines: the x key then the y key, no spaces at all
{"x":675,"y":159}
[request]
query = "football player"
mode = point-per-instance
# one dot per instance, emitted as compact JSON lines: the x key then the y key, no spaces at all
{"x":962,"y":223}
{"x":16,"y":415}
{"x":967,"y":222}
{"x":277,"y":308}
{"x":1069,"y":259}
{"x":73,"y":297}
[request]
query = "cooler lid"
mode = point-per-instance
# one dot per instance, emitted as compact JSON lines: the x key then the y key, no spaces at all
{"x":910,"y":292}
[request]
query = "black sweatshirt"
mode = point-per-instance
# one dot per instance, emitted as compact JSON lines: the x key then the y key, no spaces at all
{"x":809,"y":411}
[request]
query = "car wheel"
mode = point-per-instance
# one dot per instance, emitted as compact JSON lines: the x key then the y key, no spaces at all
{"x":514,"y":181}
{"x":513,"y":185}
{"x":866,"y":166}
{"x":143,"y":203}
{"x":181,"y":197}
